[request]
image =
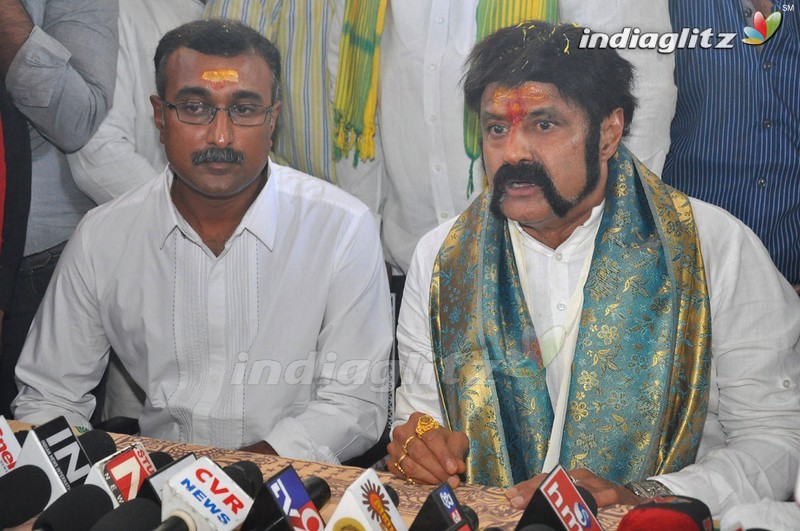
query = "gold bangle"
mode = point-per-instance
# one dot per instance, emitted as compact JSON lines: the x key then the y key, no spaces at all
{"x":425,"y":424}
{"x":405,"y":444}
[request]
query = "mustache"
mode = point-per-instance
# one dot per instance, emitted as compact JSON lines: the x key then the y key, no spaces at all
{"x":528,"y":173}
{"x":215,"y":154}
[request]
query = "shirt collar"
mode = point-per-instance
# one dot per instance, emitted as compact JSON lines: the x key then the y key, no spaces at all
{"x":260,"y":219}
{"x":579,"y":237}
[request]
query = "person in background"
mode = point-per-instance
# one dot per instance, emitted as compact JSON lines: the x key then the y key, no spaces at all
{"x":248,"y":300}
{"x":125,"y":152}
{"x":427,"y":166}
{"x":736,"y":131}
{"x":58,"y":59}
{"x":567,"y":315}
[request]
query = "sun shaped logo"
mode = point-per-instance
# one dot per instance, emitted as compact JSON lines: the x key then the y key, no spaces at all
{"x":763,"y":29}
{"x":376,"y":504}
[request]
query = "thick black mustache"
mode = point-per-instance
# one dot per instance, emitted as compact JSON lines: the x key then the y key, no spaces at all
{"x":529,"y":173}
{"x":214,"y":154}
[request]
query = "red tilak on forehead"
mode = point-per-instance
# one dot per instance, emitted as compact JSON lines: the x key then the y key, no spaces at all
{"x":514,"y":102}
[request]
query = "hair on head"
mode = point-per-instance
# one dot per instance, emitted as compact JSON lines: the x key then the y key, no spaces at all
{"x":598,"y":80}
{"x":224,"y":38}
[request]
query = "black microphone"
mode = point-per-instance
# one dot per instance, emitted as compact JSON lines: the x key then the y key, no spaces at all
{"x":677,"y":513}
{"x":559,"y":504}
{"x":284,"y":503}
{"x":153,"y":486}
{"x":441,"y":510}
{"x":97,"y":444}
{"x":203,"y":496}
{"x":24,"y":493}
{"x":160,"y":459}
{"x":134,"y":515}
{"x":76,"y":510}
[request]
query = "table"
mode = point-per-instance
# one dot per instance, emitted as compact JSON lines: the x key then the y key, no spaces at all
{"x":489,"y":503}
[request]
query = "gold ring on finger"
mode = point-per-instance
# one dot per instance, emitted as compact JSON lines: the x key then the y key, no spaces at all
{"x":425,"y":424}
{"x":400,"y":461}
{"x":411,"y":480}
{"x":400,"y":469}
{"x":405,"y":444}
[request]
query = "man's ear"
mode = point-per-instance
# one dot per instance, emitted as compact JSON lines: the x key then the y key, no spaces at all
{"x":158,"y":115}
{"x":273,"y":119}
{"x":611,"y":133}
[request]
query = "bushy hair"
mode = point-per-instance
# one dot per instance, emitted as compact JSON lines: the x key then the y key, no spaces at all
{"x":598,"y":80}
{"x":224,"y":38}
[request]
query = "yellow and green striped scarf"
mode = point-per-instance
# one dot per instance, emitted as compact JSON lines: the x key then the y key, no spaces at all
{"x":359,"y":61}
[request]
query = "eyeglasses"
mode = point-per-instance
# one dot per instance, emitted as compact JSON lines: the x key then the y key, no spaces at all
{"x":198,"y":113}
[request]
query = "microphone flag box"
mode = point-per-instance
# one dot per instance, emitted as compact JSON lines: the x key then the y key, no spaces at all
{"x":441,"y":510}
{"x":55,"y":449}
{"x":567,"y":503}
{"x":122,"y":473}
{"x":366,"y":505}
{"x":9,"y":447}
{"x":204,"y":491}
{"x":291,"y":497}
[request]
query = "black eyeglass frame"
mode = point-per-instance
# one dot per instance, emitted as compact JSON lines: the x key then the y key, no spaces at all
{"x":268,"y":112}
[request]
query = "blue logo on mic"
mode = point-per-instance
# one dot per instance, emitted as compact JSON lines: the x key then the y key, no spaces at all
{"x":583,"y":516}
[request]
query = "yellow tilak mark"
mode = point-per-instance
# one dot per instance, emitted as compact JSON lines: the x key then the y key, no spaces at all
{"x":219,"y":77}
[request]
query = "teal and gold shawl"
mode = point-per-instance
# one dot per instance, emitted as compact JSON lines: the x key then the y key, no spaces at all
{"x":639,"y":384}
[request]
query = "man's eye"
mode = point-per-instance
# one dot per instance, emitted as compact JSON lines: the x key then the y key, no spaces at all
{"x":245,"y":110}
{"x":496,"y":129}
{"x":545,"y":125}
{"x":196,"y":108}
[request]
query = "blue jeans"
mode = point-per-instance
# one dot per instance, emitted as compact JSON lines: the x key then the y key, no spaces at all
{"x":31,"y":282}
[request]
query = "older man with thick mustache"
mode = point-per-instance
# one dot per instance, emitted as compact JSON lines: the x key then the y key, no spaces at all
{"x":567,"y":315}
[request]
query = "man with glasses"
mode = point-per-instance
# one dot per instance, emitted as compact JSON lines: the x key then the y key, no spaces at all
{"x":248,"y":300}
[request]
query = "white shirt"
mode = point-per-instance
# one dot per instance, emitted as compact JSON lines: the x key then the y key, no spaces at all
{"x":125,"y":151}
{"x":419,"y":177}
{"x":283,"y":337}
{"x":751,"y":438}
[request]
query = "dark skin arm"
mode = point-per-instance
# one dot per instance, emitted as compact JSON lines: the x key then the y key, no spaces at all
{"x":436,"y":457}
{"x":261,"y":447}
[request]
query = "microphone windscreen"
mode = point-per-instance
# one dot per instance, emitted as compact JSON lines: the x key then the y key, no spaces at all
{"x":21,"y":436}
{"x":76,"y":510}
{"x":591,"y":503}
{"x":392,"y":495}
{"x":470,"y":516}
{"x":160,"y":459}
{"x":135,"y":515}
{"x":318,"y":490}
{"x":247,"y":475}
{"x":677,"y":513}
{"x":97,"y":444}
{"x":24,"y":493}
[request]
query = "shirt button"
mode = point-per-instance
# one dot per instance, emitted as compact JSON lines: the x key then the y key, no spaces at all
{"x":432,"y":117}
{"x":559,"y":256}
{"x":787,"y":384}
{"x":431,"y":67}
{"x":437,"y":167}
{"x":445,"y":215}
{"x":767,"y":123}
{"x":439,"y":19}
{"x":748,"y":13}
{"x":767,"y":65}
{"x":561,"y":306}
{"x":762,"y":183}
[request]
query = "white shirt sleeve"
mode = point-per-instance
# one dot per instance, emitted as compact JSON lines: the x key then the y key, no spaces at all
{"x":751,"y":440}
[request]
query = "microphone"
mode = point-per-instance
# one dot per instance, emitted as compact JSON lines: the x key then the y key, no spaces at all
{"x":205,"y":497}
{"x":160,"y":459}
{"x":9,"y":448}
{"x":24,"y":492}
{"x":122,"y":473}
{"x":63,"y":457}
{"x":559,"y":504}
{"x":153,"y":485}
{"x":134,"y":515}
{"x":284,"y":503}
{"x":441,"y":510}
{"x":677,"y":513}
{"x":77,"y":510}
{"x":367,"y":504}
